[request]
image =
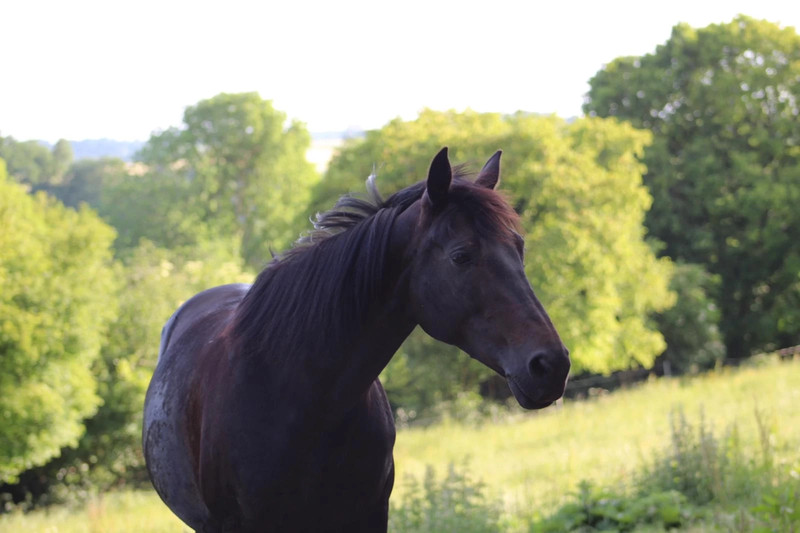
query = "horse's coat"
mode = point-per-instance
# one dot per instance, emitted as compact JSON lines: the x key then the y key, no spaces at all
{"x":265,"y":412}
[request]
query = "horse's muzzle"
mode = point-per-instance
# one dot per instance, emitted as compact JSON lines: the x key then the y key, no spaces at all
{"x":542,"y":380}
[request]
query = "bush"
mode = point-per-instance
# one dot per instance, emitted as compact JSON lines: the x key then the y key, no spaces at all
{"x":706,"y":468}
{"x":455,"y":504}
{"x":690,"y":327}
{"x":779,"y":509}
{"x":605,"y":510}
{"x":698,"y":477}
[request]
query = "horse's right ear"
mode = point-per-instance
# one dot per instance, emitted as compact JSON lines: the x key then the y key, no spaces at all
{"x":439,"y":177}
{"x":490,"y":173}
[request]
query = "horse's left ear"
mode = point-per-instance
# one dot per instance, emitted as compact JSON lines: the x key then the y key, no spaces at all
{"x":439,"y":177}
{"x":490,"y":173}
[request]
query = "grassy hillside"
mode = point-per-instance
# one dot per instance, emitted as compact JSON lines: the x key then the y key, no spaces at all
{"x":536,"y":459}
{"x":533,"y":460}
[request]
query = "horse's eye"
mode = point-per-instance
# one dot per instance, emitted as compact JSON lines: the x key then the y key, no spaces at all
{"x":460,"y":257}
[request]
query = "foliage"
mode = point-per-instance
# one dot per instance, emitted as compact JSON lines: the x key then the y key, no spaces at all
{"x":779,"y":508}
{"x":160,"y":207}
{"x":245,"y":172}
{"x":33,"y":164}
{"x":454,"y":504}
{"x":724,"y":165}
{"x":154,"y":282}
{"x":595,"y":509}
{"x":700,"y":465}
{"x":536,"y":459}
{"x":690,"y":327}
{"x":86,"y":181}
{"x":696,"y":477}
{"x":708,"y":470}
{"x":578,"y":190}
{"x":56,"y":301}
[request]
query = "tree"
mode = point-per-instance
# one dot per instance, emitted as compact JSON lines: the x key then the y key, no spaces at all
{"x":724,"y":166}
{"x":32,"y":163}
{"x":161,"y":207}
{"x":62,"y":157}
{"x":153,"y":284}
{"x":578,"y":190}
{"x":86,"y":181}
{"x":691,"y":327}
{"x":56,"y":300}
{"x":246,"y":170}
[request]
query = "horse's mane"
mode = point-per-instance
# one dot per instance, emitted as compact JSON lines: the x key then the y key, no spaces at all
{"x":329,"y":280}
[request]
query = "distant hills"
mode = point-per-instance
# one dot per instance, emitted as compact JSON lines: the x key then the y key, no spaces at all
{"x":322,"y":145}
{"x":96,"y":148}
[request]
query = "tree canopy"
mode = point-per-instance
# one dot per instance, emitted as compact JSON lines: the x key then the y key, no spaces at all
{"x":34,"y":164}
{"x":579,"y":192}
{"x":724,"y":167}
{"x":55,"y":282}
{"x":245,"y":169}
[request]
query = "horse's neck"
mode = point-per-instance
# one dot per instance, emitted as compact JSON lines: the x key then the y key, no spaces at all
{"x":370,"y":352}
{"x":324,"y":374}
{"x":388,"y":323}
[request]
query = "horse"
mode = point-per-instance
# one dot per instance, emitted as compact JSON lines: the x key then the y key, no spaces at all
{"x":265,"y":412}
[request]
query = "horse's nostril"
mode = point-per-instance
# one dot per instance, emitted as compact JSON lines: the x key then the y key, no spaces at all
{"x":538,"y":365}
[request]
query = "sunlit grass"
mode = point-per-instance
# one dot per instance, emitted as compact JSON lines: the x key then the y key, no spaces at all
{"x":537,"y":459}
{"x":532,"y":461}
{"x":124,"y":512}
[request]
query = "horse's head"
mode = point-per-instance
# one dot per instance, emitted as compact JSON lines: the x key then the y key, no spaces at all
{"x":468,"y":285}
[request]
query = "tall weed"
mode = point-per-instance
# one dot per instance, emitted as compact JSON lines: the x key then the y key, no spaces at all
{"x":704,"y":467}
{"x":454,"y":504}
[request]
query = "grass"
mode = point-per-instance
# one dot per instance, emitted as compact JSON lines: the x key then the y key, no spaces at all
{"x":533,"y":462}
{"x":123,"y":512}
{"x":538,"y":459}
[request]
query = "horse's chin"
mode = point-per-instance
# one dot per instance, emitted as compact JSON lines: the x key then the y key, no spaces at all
{"x":525,"y":401}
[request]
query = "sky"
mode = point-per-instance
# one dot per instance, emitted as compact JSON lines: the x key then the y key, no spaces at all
{"x":118,"y":69}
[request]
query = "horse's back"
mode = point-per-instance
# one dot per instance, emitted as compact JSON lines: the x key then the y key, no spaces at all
{"x":200,"y":305}
{"x":166,"y":445}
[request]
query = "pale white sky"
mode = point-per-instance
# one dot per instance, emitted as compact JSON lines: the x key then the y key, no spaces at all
{"x":84,"y":69}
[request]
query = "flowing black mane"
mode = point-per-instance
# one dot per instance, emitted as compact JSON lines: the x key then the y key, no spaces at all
{"x":337,"y":265}
{"x":340,"y":264}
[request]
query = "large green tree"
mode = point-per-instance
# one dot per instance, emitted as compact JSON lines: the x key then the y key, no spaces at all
{"x":578,"y":190}
{"x":724,"y":167}
{"x":245,"y":168}
{"x":56,"y":300}
{"x":34,"y":164}
{"x":160,"y":206}
{"x":153,"y":283}
{"x":86,"y":181}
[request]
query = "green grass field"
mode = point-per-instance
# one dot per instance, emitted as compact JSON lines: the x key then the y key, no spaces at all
{"x":531,"y":461}
{"x":536,"y":459}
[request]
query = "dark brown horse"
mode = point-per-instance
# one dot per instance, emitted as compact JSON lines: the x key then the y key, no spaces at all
{"x":265,"y":412}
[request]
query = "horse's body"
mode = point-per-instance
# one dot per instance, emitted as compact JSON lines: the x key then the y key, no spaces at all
{"x":265,"y":412}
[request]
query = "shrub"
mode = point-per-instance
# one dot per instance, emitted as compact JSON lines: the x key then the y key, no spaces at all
{"x":698,"y":477}
{"x":597,"y":509}
{"x":704,"y":467}
{"x":779,"y":509}
{"x":456,"y":504}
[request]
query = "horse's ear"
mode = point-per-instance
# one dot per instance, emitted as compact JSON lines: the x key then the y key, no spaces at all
{"x":439,"y":177}
{"x":490,"y":173}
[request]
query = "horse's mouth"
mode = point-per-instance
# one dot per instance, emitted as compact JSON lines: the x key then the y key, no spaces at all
{"x":525,"y":401}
